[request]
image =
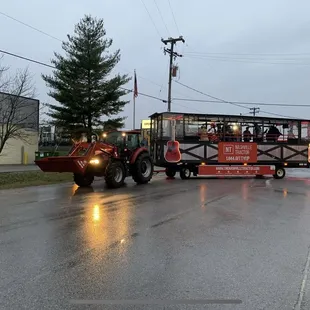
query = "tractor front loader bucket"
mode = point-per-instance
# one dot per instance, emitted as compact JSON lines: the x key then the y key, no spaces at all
{"x":74,"y":164}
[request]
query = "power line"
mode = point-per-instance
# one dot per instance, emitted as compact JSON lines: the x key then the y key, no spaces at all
{"x":130,"y":90}
{"x":153,"y":97}
{"x":150,"y":16}
{"x":205,"y":94}
{"x":246,"y":61}
{"x":142,"y":94}
{"x":161,"y":17}
{"x":53,"y":37}
{"x":28,"y":59}
{"x":246,"y":57}
{"x":191,"y":108}
{"x":145,"y":95}
{"x":245,"y":103}
{"x":266,"y":112}
{"x":281,"y":115}
{"x":175,"y":22}
{"x":161,"y":86}
{"x":141,"y":77}
{"x":29,"y":26}
{"x":250,"y":54}
{"x":53,"y":67}
{"x":165,"y":87}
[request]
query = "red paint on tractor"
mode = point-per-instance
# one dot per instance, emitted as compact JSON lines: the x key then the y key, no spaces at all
{"x":78,"y":158}
{"x":137,"y":153}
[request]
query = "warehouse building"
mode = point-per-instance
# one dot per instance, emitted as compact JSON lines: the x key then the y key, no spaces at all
{"x":22,"y":114}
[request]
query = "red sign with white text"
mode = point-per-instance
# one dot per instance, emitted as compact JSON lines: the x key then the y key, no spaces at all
{"x":236,"y":170}
{"x":237,"y":152}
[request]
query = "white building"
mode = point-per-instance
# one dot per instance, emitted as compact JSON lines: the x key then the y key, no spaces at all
{"x":21,"y":147}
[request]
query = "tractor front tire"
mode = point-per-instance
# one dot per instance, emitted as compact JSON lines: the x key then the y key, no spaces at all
{"x":115,"y":174}
{"x":143,"y":169}
{"x":83,"y":180}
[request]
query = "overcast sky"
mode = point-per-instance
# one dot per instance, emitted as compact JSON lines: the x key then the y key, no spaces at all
{"x":240,"y":50}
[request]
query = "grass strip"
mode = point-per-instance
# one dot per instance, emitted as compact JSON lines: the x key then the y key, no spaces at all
{"x":10,"y":180}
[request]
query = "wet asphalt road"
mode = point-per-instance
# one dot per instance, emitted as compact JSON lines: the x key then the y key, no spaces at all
{"x":242,"y":239}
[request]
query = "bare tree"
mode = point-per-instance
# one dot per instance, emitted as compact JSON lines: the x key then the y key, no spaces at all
{"x":15,"y":113}
{"x":3,"y":79}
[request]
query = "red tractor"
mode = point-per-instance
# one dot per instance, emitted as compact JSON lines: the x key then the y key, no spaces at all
{"x":119,"y":155}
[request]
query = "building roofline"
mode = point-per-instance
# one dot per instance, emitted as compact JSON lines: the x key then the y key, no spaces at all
{"x":29,"y":98}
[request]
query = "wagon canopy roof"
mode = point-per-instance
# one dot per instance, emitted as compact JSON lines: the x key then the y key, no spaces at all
{"x":230,"y":117}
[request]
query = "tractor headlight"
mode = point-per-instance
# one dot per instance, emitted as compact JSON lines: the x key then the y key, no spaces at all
{"x":94,"y":161}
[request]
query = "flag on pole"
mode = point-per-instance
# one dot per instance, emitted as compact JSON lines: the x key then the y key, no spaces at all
{"x":135,"y":91}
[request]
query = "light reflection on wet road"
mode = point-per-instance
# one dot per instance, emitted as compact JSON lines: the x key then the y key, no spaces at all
{"x":242,"y":239}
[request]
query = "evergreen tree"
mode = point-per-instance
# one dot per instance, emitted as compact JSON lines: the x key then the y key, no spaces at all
{"x":81,"y":84}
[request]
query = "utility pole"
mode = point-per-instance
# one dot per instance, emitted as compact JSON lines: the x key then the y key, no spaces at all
{"x":172,"y":54}
{"x":253,"y":111}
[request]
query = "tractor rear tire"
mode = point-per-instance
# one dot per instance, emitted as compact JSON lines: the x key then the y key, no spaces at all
{"x":83,"y":180}
{"x":115,"y":174}
{"x":143,"y":169}
{"x":170,"y":173}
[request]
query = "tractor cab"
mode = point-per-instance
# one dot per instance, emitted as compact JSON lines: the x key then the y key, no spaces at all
{"x":124,"y":140}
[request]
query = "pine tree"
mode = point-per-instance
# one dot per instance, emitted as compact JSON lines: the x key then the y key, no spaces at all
{"x":81,"y":83}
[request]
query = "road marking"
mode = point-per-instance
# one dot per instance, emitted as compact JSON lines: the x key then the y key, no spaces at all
{"x":303,"y":283}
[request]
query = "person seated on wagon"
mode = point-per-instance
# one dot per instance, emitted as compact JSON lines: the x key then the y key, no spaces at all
{"x":237,"y":133}
{"x":290,"y":134}
{"x":212,"y":129}
{"x":258,"y":135}
{"x":212,"y":133}
{"x":219,"y":130}
{"x":247,"y":135}
{"x":273,"y":134}
{"x":203,"y":133}
{"x":229,"y":133}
